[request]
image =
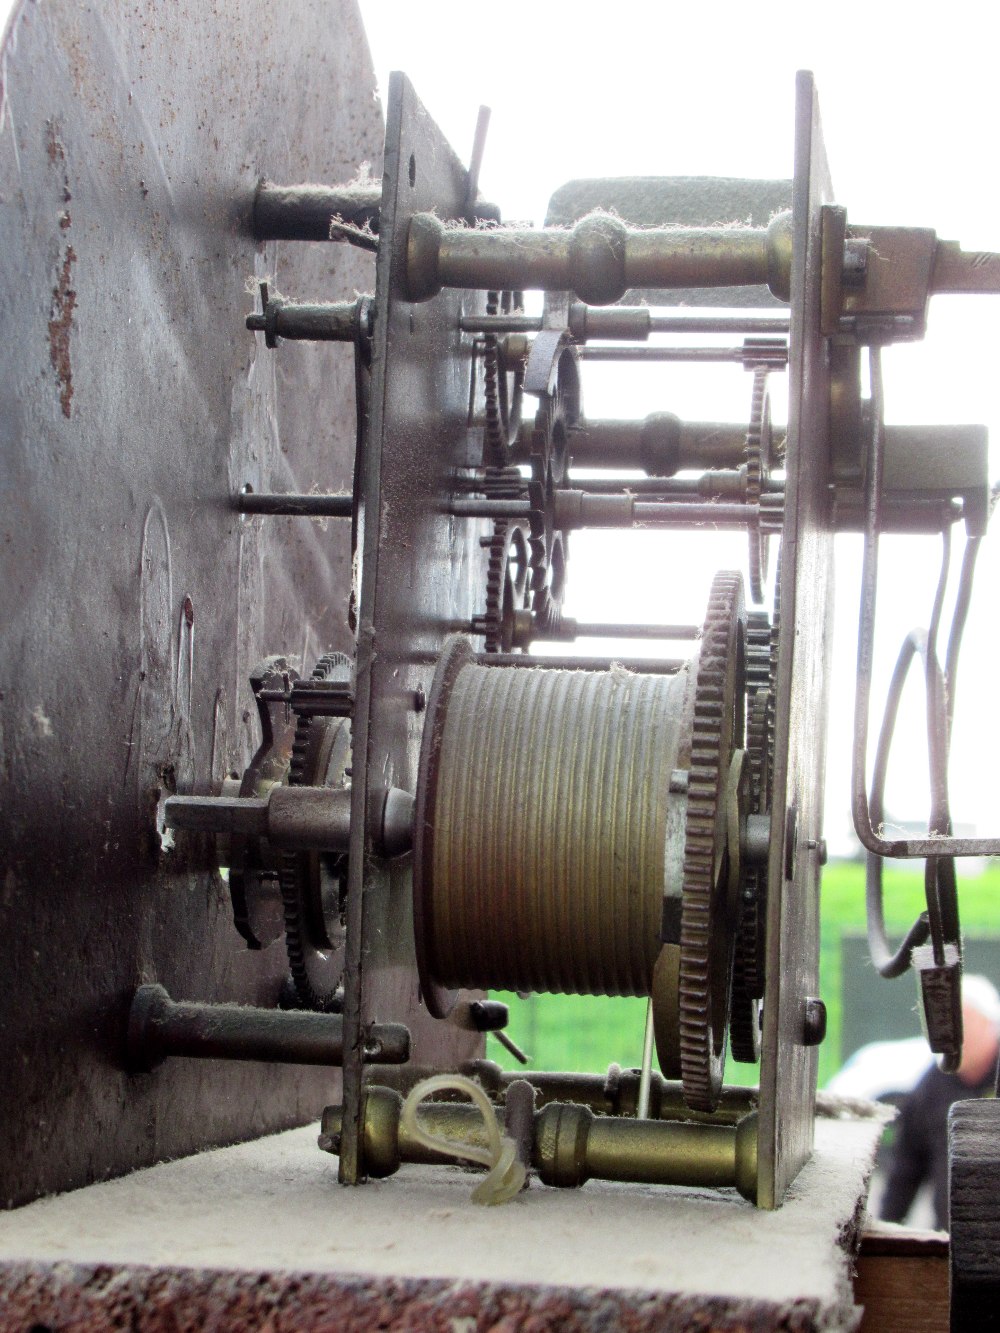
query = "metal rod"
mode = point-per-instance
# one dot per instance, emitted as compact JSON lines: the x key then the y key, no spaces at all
{"x":717,"y":482}
{"x":643,"y":666}
{"x":294,"y":818}
{"x":670,"y":514}
{"x":646,"y":1069}
{"x":295,"y":506}
{"x":512,"y":1047}
{"x":586,"y":629}
{"x":516,"y":323}
{"x":575,"y":510}
{"x":462,"y":508}
{"x":159,"y":1027}
{"x":633,"y":323}
{"x":776,"y":356}
{"x":660,"y":444}
{"x":688,"y":323}
{"x":476,"y":160}
{"x":304,"y":212}
{"x":613,"y":1093}
{"x":340,"y":321}
{"x":569,"y":629}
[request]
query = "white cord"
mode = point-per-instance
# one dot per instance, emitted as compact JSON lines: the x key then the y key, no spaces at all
{"x":506,"y":1175}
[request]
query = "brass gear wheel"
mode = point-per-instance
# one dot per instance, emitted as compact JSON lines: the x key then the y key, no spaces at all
{"x":313,"y":884}
{"x":708,"y":914}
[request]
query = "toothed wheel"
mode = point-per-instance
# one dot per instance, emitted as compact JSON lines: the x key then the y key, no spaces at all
{"x":758,"y":650}
{"x":772,"y":684}
{"x":749,"y":971}
{"x":758,"y":465}
{"x":313,"y":884}
{"x":507,"y":585}
{"x":502,"y":389}
{"x":557,"y":413}
{"x":708,"y":909}
{"x":744,"y":1018}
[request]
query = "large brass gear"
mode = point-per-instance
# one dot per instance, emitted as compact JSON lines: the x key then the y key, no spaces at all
{"x":313,"y":883}
{"x":708,"y":907}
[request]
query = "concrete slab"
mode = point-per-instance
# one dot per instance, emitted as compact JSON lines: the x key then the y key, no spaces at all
{"x":266,"y":1222}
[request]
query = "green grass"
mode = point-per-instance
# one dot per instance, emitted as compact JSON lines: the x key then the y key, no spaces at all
{"x":587,"y":1033}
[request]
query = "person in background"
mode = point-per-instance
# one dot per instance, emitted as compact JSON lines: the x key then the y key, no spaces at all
{"x":920,"y":1146}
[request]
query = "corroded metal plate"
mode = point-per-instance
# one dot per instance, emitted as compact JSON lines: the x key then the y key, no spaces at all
{"x":133,"y":599}
{"x":788,"y":1066}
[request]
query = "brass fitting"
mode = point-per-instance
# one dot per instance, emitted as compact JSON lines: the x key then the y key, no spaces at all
{"x":598,"y":259}
{"x":570,"y":1144}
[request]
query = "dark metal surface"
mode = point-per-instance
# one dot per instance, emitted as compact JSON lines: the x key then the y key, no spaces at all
{"x":305,"y":212}
{"x":295,"y":506}
{"x":974,"y":1182}
{"x":420,"y":573}
{"x":788,"y":1067}
{"x":133,"y":600}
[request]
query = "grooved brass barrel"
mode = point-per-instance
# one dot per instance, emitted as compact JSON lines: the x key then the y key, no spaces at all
{"x":546,"y":833}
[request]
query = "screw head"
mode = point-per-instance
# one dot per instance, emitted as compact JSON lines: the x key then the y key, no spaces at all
{"x":813,"y":1021}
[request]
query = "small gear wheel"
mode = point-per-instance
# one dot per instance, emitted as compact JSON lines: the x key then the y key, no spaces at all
{"x":708,"y":914}
{"x":753,"y":890}
{"x":758,"y":466}
{"x":502,"y":389}
{"x":744,"y":1018}
{"x":758,"y":650}
{"x":501,"y":483}
{"x":558,"y":412}
{"x":313,"y":884}
{"x":750,"y":959}
{"x":507,"y":585}
{"x":773,"y":646}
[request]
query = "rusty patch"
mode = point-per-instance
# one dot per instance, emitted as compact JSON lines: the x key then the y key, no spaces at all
{"x":60,"y":326}
{"x":53,"y":144}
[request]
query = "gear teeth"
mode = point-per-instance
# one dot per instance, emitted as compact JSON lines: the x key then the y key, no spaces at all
{"x":757,"y":466}
{"x":744,"y":1019}
{"x":300,"y":950}
{"x":502,"y":417}
{"x":496,"y":446}
{"x":773,"y":664}
{"x":758,"y":665}
{"x":557,"y":413}
{"x":502,"y":483}
{"x":716,"y":733}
